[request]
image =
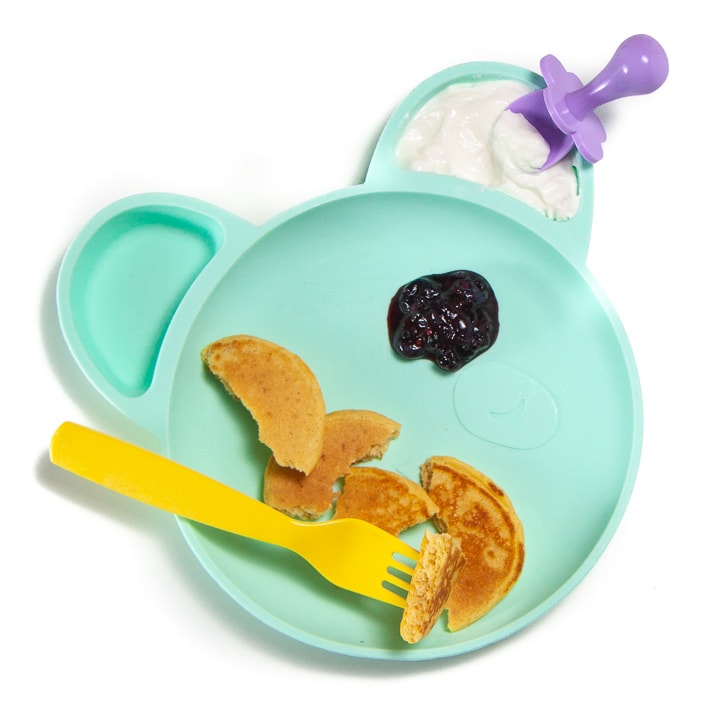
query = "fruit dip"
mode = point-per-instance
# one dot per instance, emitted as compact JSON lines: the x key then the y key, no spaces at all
{"x":466,"y":131}
{"x":449,"y":318}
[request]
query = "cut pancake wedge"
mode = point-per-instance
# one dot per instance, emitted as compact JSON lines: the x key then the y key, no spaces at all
{"x":280,"y":392}
{"x":438,"y":568}
{"x":384,"y":498}
{"x":473,"y":509}
{"x":350,"y":437}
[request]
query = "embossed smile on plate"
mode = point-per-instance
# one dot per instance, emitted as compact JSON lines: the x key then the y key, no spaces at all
{"x":505,"y":405}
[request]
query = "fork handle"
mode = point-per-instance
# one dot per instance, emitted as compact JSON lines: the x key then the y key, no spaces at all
{"x":165,"y":484}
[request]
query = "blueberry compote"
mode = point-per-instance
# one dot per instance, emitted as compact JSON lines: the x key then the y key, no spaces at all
{"x":449,"y":318}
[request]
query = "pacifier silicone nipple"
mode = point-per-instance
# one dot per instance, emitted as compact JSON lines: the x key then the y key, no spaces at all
{"x":563,"y":112}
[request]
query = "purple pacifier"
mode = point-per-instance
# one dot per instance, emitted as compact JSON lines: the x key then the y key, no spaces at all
{"x":563,"y":112}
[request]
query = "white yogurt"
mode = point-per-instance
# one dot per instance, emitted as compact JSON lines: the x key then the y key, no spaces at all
{"x":466,"y":131}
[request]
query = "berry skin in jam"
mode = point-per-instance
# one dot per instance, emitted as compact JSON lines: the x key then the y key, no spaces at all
{"x":449,"y":318}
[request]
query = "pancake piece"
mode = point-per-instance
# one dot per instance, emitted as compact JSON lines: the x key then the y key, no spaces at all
{"x":438,"y":568}
{"x":477,"y":512}
{"x":350,"y":437}
{"x":384,"y":498}
{"x":280,"y":392}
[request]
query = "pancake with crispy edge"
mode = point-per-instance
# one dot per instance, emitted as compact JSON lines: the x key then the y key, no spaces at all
{"x":475,"y":510}
{"x":384,"y":498}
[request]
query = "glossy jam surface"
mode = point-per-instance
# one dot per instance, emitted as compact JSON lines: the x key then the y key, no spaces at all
{"x":449,"y":318}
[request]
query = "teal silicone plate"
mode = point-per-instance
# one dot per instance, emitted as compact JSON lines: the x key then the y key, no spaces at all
{"x":552,"y":412}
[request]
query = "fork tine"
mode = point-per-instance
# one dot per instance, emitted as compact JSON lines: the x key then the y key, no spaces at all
{"x":401,"y":565}
{"x":388,"y":594}
{"x":397,"y":583}
{"x":370,"y":560}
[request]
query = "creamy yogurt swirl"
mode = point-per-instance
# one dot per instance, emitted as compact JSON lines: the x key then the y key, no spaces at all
{"x":467,"y":132}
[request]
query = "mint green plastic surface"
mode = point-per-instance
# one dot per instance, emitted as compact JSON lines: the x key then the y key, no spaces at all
{"x":552,"y":412}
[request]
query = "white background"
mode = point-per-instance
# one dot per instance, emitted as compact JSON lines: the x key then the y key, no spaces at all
{"x":105,"y":613}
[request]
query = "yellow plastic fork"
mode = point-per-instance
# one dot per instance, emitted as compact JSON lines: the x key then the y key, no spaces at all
{"x":351,"y":554}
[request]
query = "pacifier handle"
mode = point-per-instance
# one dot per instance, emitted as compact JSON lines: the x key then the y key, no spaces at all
{"x":638,"y":67}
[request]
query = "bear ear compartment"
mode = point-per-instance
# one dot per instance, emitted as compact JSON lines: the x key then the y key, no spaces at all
{"x":384,"y":166}
{"x":409,"y":156}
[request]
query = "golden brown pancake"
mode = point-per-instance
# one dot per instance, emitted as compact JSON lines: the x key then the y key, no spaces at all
{"x":475,"y":510}
{"x":438,"y":568}
{"x":350,"y":437}
{"x":280,"y":392}
{"x":383,"y":498}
